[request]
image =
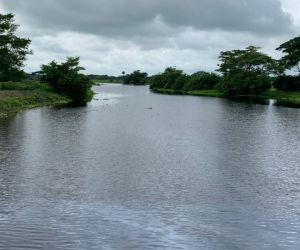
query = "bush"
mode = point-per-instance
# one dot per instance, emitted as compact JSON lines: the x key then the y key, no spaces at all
{"x":287,"y":83}
{"x":65,"y":79}
{"x":202,"y":80}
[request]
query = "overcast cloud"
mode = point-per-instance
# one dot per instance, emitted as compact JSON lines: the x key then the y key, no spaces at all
{"x":115,"y":35}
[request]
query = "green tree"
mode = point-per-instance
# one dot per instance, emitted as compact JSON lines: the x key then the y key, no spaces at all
{"x":136,"y":78}
{"x":292,"y":50}
{"x":202,"y":80}
{"x":156,"y":81}
{"x":180,"y":82}
{"x":170,"y":76}
{"x":66,"y":79}
{"x":13,"y":49}
{"x":167,"y":79}
{"x":246,"y":72}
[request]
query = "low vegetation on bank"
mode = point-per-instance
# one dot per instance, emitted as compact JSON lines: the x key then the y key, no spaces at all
{"x":17,"y":96}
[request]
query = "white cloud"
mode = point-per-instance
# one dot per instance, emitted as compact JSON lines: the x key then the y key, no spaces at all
{"x":293,"y":8}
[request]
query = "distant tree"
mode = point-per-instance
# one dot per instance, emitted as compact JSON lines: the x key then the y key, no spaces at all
{"x":170,"y":76}
{"x":180,"y":82}
{"x":292,"y":50}
{"x":246,"y":72}
{"x":136,"y":78}
{"x":13,"y":50}
{"x":168,"y":79}
{"x":66,"y":79}
{"x":156,"y":81}
{"x":202,"y":80}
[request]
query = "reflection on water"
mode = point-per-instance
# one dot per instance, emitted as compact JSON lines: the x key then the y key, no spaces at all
{"x":190,"y":173}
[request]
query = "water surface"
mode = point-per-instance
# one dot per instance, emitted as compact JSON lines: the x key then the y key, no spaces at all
{"x":136,"y":170}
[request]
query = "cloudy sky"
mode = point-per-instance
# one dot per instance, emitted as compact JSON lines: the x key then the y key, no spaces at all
{"x":115,"y":35}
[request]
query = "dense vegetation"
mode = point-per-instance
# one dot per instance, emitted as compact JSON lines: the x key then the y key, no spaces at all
{"x":177,"y":80}
{"x":246,"y":72}
{"x":287,"y":83}
{"x":65,"y":79}
{"x":136,"y":78}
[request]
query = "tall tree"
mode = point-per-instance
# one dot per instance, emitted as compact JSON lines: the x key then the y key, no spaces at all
{"x":292,"y":50}
{"x":13,"y":49}
{"x":246,"y":72}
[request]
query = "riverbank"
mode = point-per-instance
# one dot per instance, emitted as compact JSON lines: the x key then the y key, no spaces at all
{"x":209,"y":92}
{"x":291,"y":99}
{"x":18,"y":96}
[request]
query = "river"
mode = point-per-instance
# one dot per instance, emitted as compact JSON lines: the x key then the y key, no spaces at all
{"x":137,"y":170}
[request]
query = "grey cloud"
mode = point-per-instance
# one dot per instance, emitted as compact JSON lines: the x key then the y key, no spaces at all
{"x":115,"y":35}
{"x":127,"y":18}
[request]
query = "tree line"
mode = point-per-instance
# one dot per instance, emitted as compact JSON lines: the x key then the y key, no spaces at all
{"x":240,"y":73}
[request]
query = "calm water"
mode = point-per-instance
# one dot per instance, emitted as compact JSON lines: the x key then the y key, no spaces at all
{"x":136,"y":170}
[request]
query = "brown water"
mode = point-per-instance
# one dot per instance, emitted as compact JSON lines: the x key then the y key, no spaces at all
{"x":136,"y":170}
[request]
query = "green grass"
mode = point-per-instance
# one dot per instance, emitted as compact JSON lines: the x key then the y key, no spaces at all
{"x":283,"y":95}
{"x":27,"y":95}
{"x":207,"y":92}
{"x":284,"y":98}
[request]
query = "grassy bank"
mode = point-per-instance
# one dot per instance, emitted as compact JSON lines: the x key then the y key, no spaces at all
{"x":15,"y":96}
{"x":284,"y":98}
